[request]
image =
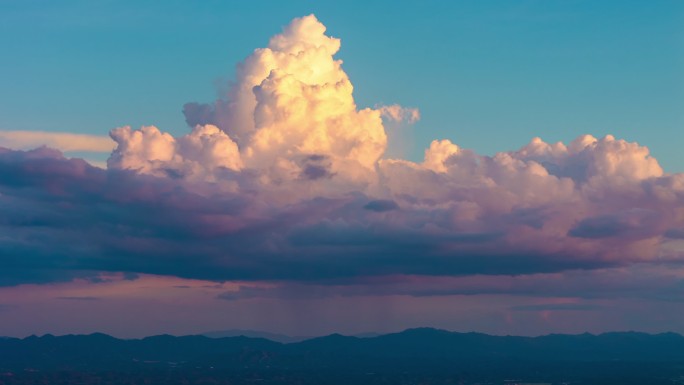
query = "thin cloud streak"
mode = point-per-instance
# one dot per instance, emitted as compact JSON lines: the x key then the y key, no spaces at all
{"x":63,"y":141}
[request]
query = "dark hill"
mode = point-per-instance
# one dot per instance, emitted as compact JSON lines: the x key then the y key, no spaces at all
{"x":424,"y":343}
{"x":412,"y":356}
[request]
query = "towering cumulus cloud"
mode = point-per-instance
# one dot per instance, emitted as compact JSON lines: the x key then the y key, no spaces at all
{"x":284,"y":179}
{"x":291,"y":112}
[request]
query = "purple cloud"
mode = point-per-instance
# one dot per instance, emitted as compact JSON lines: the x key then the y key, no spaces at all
{"x":63,"y":218}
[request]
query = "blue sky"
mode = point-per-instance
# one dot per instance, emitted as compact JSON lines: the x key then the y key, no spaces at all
{"x":489,"y":75}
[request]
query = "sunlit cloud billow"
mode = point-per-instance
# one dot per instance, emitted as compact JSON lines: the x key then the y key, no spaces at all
{"x":285,"y":179}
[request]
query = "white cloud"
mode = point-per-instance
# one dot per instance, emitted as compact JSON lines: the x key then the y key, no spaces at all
{"x":291,"y":131}
{"x":438,"y":153}
{"x":292,"y":101}
{"x":151,"y":151}
{"x":299,"y":170}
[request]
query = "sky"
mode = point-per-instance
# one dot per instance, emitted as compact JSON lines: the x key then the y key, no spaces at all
{"x":507,"y":167}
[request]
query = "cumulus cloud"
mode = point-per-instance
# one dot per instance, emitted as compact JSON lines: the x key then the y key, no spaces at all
{"x":151,"y":151}
{"x":438,"y":153}
{"x":284,"y":179}
{"x":292,"y":100}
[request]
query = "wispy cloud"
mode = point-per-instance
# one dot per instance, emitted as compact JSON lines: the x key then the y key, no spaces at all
{"x":63,"y":141}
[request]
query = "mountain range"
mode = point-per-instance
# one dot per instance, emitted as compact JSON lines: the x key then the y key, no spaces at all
{"x":270,"y":336}
{"x":408,"y":353}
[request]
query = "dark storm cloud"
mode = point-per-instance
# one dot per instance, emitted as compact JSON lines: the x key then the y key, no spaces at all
{"x":660,"y":283}
{"x":634,"y":222}
{"x":64,"y":219}
{"x":198,"y":114}
{"x":316,"y":167}
{"x":675,"y":233}
{"x":557,"y":307}
{"x":381,"y":205}
{"x":87,"y":298}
